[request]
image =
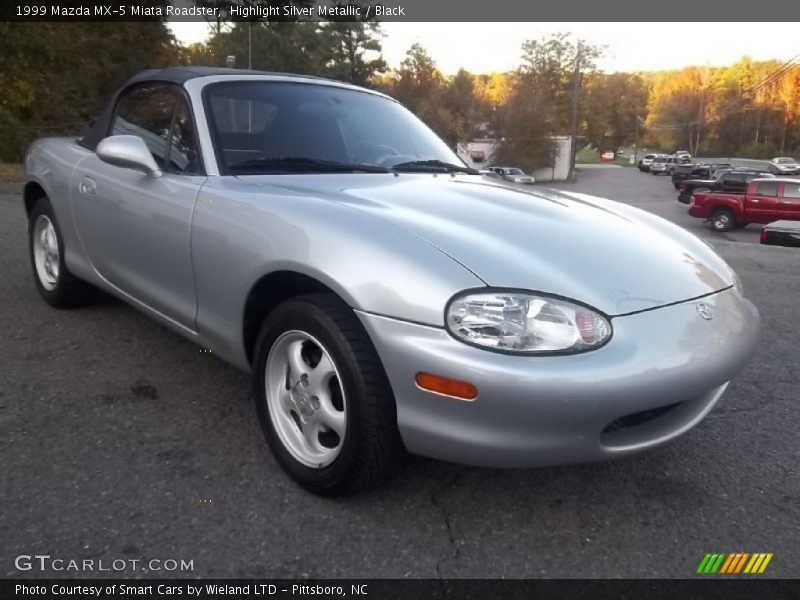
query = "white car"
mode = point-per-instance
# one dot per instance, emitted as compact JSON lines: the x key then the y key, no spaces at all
{"x":683,"y":155}
{"x":660,"y":165}
{"x":512,"y":174}
{"x":646,"y":161}
{"x":784,"y":165}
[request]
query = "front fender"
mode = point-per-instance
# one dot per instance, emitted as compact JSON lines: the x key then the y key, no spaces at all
{"x":241,"y":232}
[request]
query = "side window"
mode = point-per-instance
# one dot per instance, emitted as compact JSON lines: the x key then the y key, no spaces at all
{"x":767,"y":188}
{"x":791,"y":190}
{"x":733,"y":179}
{"x":146,"y":111}
{"x":183,"y":154}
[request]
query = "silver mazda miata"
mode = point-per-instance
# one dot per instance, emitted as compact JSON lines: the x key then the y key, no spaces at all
{"x":384,"y":295}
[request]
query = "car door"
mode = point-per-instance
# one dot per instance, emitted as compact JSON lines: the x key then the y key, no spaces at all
{"x":762,"y":206}
{"x":135,"y":228}
{"x":790,"y":202}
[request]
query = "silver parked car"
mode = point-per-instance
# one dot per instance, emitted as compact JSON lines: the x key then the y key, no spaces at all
{"x":384,"y":296}
{"x":784,"y":165}
{"x":511,"y":174}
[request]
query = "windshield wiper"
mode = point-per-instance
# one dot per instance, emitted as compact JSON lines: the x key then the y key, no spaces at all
{"x":293,"y":164}
{"x":433,"y":165}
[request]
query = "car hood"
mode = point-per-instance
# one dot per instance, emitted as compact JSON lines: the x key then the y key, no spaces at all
{"x":611,"y":256}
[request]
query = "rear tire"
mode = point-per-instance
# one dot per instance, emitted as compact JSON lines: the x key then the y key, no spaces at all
{"x":722,"y":220}
{"x":58,"y":287}
{"x":323,"y":399}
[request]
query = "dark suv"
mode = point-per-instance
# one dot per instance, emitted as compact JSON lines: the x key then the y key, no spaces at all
{"x":734,"y":181}
{"x":695,"y":171}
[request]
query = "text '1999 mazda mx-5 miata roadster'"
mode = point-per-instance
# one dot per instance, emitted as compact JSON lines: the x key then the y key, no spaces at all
{"x":385,"y":296}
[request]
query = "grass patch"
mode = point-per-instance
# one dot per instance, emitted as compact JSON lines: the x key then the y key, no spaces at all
{"x":587,"y":156}
{"x":11,"y":173}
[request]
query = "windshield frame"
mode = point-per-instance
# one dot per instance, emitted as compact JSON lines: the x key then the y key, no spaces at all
{"x":224,"y":169}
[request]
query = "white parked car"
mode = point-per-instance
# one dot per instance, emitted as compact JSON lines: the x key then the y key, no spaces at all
{"x":646,"y":161}
{"x":784,"y":165}
{"x":512,"y":174}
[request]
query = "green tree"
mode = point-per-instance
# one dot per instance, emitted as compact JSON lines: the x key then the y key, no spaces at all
{"x":611,"y":105}
{"x":420,"y":85}
{"x":353,"y":48}
{"x":540,"y":103}
{"x":53,"y":82}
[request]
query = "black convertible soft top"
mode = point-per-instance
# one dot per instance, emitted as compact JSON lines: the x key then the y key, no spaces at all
{"x":178,"y":75}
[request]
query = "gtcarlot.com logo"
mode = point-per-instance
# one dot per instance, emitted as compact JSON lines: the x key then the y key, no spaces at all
{"x":45,"y":562}
{"x":734,"y":563}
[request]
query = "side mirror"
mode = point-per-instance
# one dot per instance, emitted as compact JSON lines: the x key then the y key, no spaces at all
{"x":128,"y":151}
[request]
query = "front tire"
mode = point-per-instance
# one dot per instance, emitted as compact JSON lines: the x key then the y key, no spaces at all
{"x":55,"y":283}
{"x":323,"y":398}
{"x":722,"y":220}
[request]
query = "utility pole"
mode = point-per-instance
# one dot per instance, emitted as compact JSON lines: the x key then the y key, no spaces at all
{"x":250,"y":45}
{"x":636,"y":138}
{"x":576,"y":88}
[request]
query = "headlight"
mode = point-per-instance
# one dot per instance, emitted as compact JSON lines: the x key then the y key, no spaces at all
{"x":525,"y":323}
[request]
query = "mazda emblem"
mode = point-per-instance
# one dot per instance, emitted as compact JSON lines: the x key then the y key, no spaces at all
{"x":704,"y":311}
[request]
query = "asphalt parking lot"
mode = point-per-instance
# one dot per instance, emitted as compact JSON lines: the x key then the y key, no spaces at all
{"x":120,"y":440}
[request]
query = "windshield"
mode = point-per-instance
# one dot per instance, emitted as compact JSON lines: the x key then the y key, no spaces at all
{"x":514,"y":172}
{"x":786,"y":161}
{"x":282,"y":127}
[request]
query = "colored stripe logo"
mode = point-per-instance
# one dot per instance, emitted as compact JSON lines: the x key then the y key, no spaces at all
{"x":734,"y":563}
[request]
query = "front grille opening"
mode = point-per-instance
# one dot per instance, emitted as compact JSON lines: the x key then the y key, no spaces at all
{"x":638,"y":418}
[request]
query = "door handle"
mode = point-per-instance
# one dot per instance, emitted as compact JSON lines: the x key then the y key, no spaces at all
{"x":88,"y":186}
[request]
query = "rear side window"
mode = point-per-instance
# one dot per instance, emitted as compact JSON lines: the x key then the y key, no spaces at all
{"x":791,"y":190}
{"x":147,"y":111}
{"x":767,"y":188}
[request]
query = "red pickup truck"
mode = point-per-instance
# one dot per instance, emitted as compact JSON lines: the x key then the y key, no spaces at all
{"x":766,"y":200}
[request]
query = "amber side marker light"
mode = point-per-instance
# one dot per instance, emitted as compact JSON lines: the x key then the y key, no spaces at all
{"x":446,"y":386}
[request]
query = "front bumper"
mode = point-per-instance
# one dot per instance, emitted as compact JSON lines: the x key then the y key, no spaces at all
{"x":660,"y":374}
